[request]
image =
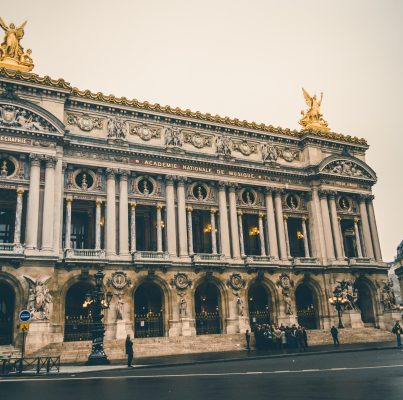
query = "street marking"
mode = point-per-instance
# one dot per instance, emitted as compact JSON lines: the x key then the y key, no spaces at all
{"x":198,"y":375}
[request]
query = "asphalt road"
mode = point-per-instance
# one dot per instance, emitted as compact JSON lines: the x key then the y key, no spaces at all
{"x":357,"y":375}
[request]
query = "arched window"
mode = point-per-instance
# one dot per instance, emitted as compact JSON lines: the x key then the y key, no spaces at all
{"x":207,"y":307}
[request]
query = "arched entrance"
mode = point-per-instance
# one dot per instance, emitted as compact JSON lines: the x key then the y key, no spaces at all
{"x":207,"y":307}
{"x":365,"y":302}
{"x":260,"y":306}
{"x":148,"y":311}
{"x":306,"y":307}
{"x":7,"y":307}
{"x":77,"y":322}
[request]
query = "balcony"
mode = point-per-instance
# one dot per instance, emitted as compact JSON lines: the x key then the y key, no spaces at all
{"x":259,"y":260}
{"x":84,"y":255}
{"x":305,"y":261}
{"x":14,"y":251}
{"x":150,"y":255}
{"x":360,"y":261}
{"x":201,"y":260}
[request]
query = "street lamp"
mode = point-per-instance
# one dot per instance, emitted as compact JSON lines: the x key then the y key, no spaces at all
{"x":97,"y":301}
{"x":338,"y":301}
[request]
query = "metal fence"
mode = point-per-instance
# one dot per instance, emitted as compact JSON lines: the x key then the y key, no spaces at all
{"x":35,"y":365}
{"x":259,"y":317}
{"x":77,"y":328}
{"x":148,"y":325}
{"x":208,"y":323}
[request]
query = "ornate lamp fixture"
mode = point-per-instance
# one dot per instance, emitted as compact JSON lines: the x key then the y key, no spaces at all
{"x":339,"y":302}
{"x":97,"y":301}
{"x":300,"y":235}
{"x":254,"y":231}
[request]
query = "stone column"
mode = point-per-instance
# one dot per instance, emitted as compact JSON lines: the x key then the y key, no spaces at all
{"x":133,"y":246}
{"x":67,"y":239}
{"x":280,"y":225}
{"x":98,"y":203}
{"x":48,"y":204}
{"x":374,"y":229}
{"x":159,"y":228}
{"x":58,"y":204}
{"x":287,"y":239}
{"x":33,"y":202}
{"x":110,"y":212}
{"x":271,"y":224}
{"x":224,"y":232}
{"x":171,"y":220}
{"x":261,"y":236}
{"x":241,"y":242}
{"x":190,"y":231}
{"x":235,"y":234}
{"x":213,"y":231}
{"x":123,"y":215}
{"x":326,"y":225}
{"x":18,"y":216}
{"x":335,"y":227}
{"x":369,"y":251}
{"x":305,"y":234}
{"x":343,"y":252}
{"x":357,"y":238}
{"x":317,"y":230}
{"x":182,"y":229}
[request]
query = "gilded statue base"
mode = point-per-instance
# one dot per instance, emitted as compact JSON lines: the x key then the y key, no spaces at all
{"x":11,"y":63}
{"x":317,"y":126}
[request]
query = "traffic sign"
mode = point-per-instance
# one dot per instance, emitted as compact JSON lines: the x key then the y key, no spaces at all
{"x":24,"y":316}
{"x":24,"y":326}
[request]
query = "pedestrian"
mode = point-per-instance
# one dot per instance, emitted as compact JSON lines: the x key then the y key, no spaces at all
{"x":129,"y":350}
{"x":397,"y":330}
{"x":300,"y":339}
{"x":247,"y":337}
{"x":335,"y":335}
{"x":305,"y":335}
{"x":283,"y":340}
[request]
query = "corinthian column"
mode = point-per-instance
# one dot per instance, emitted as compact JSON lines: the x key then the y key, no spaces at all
{"x":133,"y":227}
{"x":357,"y":238}
{"x":326,"y":225}
{"x":171,"y":220}
{"x":235,"y":235}
{"x":67,"y":240}
{"x":48,"y":203}
{"x":98,"y":203}
{"x":317,"y":231}
{"x":190,"y":230}
{"x":183,"y":249}
{"x":110,"y":212}
{"x":18,"y":216}
{"x":123,"y":215}
{"x":369,"y":252}
{"x":287,"y":238}
{"x":224,"y":233}
{"x":33,"y":202}
{"x":271,"y":224}
{"x":280,"y":225}
{"x":241,"y":240}
{"x":261,"y":235}
{"x":213,"y":231}
{"x":335,"y":227}
{"x":374,"y":229}
{"x":159,"y":229}
{"x":305,"y":234}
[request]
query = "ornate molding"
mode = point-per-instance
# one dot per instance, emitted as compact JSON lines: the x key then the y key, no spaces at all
{"x":144,"y":131}
{"x":244,"y":146}
{"x":85,"y":122}
{"x":197,"y":139}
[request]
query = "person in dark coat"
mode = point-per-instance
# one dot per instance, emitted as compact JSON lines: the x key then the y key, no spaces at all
{"x":397,"y":330}
{"x":305,"y":336}
{"x":335,"y":335}
{"x":300,"y":339}
{"x":247,"y":338}
{"x":129,"y":350}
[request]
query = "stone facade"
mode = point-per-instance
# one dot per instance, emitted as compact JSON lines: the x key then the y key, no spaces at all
{"x":201,"y":224}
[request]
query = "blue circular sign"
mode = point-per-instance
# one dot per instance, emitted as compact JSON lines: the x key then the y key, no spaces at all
{"x":24,"y":316}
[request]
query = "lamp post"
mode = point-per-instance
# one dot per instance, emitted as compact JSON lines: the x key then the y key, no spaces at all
{"x":338,"y":301}
{"x":97,"y":301}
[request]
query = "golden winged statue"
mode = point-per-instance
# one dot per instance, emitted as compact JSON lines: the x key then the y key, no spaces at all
{"x":312,"y":118}
{"x":12,"y":54}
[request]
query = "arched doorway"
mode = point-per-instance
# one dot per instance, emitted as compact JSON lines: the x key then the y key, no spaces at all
{"x":207,"y":307}
{"x":365,"y":302}
{"x":7,"y":307}
{"x":148,"y":311}
{"x":77,"y":322}
{"x":306,"y":307}
{"x":260,"y":306}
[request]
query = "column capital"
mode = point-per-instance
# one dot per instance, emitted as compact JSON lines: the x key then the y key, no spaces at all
{"x":20,"y":191}
{"x":305,"y":219}
{"x":364,"y":197}
{"x":356,"y":220}
{"x":181,"y":180}
{"x":133,"y":204}
{"x":123,"y":174}
{"x":169,"y":179}
{"x":50,"y":161}
{"x":159,"y":206}
{"x":261,"y":214}
{"x":98,"y":202}
{"x":278,"y":191}
{"x":370,"y":198}
{"x":268,"y":190}
{"x":285,"y":217}
{"x":222,"y":185}
{"x":240,"y":213}
{"x":232,"y":187}
{"x":332,"y":194}
{"x":69,"y":199}
{"x":323,"y":194}
{"x":110,"y":173}
{"x":189,"y":209}
{"x":35,"y":159}
{"x":213,"y":210}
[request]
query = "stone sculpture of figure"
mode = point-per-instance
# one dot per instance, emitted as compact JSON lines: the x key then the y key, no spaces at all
{"x":345,"y":289}
{"x":269,"y":153}
{"x":11,"y":46}
{"x":39,"y":298}
{"x":183,"y":308}
{"x":387,"y":296}
{"x":173,"y":137}
{"x":239,"y":303}
{"x":286,"y":285}
{"x":117,"y":129}
{"x":223,"y":146}
{"x":119,"y":308}
{"x":27,"y":122}
{"x":312,"y":118}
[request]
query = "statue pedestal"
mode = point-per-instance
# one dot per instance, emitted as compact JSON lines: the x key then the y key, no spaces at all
{"x":38,"y":336}
{"x":187,"y":329}
{"x":121,"y":329}
{"x":355,"y":319}
{"x":288,"y":320}
{"x":243,"y":324}
{"x":388,"y":319}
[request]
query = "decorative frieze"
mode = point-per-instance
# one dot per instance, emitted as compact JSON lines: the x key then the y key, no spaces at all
{"x":245,"y":147}
{"x":197,"y":139}
{"x":145,"y":132}
{"x":85,"y":122}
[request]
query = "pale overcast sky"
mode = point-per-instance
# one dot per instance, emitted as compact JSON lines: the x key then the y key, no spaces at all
{"x":245,"y":59}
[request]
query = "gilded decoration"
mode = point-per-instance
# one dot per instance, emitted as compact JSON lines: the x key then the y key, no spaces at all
{"x":12,"y":54}
{"x":347,"y":168}
{"x":17,"y":117}
{"x":312,"y":118}
{"x":197,"y":139}
{"x":144,"y":131}
{"x":85,"y":122}
{"x":245,"y":147}
{"x":119,"y":280}
{"x":345,"y":289}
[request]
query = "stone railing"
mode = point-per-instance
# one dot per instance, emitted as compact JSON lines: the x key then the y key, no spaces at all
{"x":258,"y":259}
{"x":141,"y":255}
{"x":12,"y":248}
{"x":208,"y":257}
{"x":359,"y":260}
{"x":305,"y":260}
{"x":84,"y":253}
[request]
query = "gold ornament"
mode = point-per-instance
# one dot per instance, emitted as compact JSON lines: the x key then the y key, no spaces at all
{"x":312,"y":118}
{"x":12,"y":54}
